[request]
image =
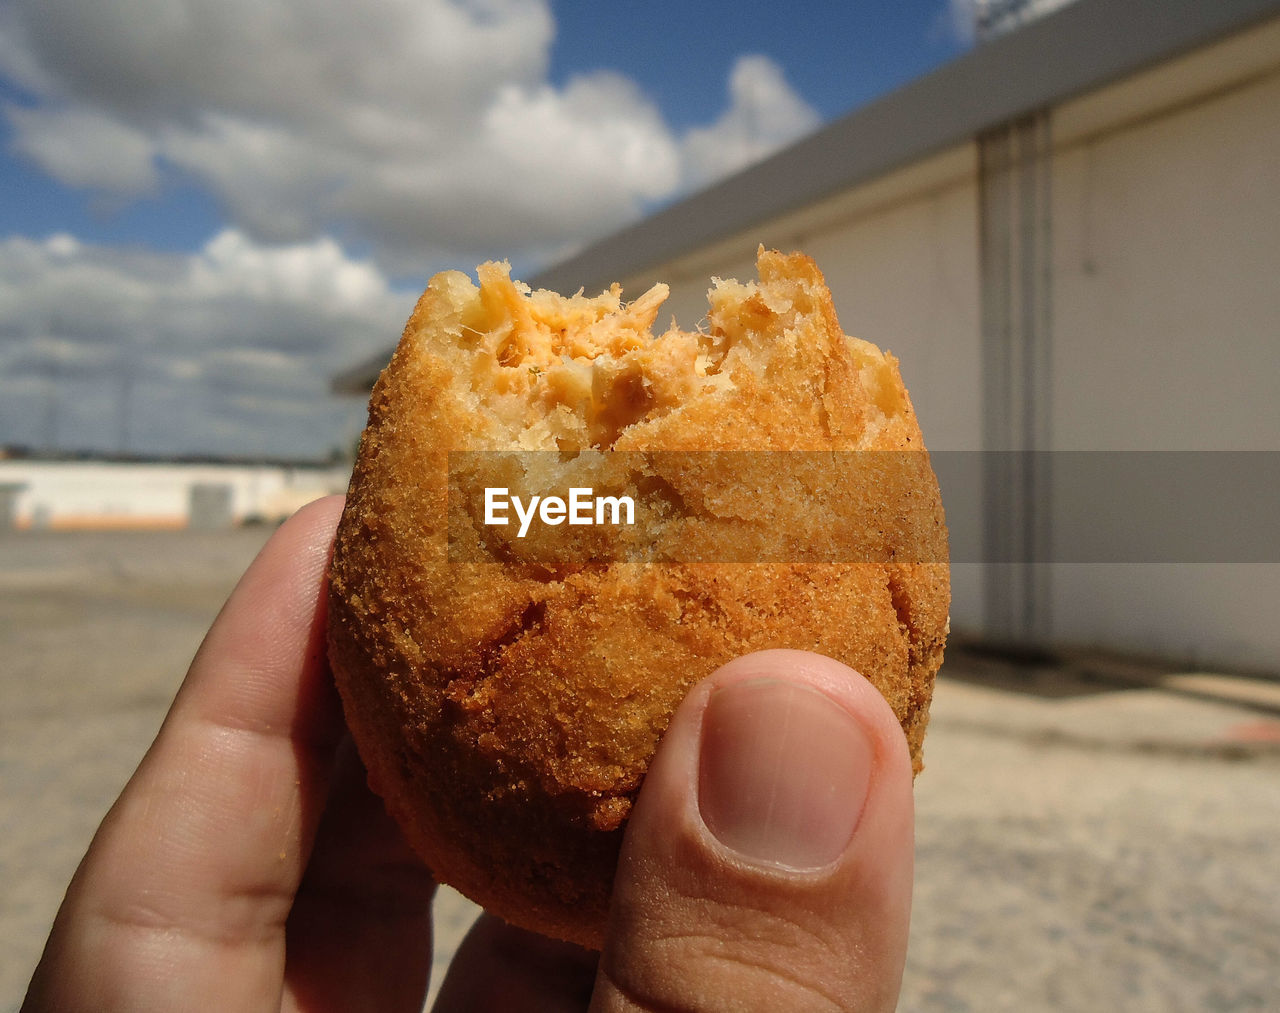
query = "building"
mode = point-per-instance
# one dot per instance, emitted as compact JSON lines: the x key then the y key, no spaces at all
{"x":101,"y":493}
{"x":1070,"y":237}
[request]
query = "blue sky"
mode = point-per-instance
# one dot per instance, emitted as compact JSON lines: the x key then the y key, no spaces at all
{"x":837,"y":55}
{"x":210,"y":206}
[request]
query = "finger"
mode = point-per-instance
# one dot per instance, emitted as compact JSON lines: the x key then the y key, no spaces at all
{"x":501,"y":967}
{"x":184,"y":892}
{"x":359,"y":934}
{"x":768,"y":862}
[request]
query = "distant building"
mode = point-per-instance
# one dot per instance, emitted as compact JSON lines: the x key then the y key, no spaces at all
{"x":97,"y":493}
{"x":1070,"y":237}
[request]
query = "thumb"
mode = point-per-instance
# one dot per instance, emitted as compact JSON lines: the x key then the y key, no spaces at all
{"x":768,"y":862}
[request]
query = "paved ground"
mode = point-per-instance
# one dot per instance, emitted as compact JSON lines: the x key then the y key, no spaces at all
{"x":1090,"y":835}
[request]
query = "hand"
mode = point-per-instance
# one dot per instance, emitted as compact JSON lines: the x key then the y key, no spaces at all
{"x":246,"y":866}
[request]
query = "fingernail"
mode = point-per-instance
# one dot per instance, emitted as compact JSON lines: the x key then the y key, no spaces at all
{"x":783,"y":773}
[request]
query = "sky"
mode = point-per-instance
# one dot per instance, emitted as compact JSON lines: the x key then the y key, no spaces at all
{"x":210,"y":207}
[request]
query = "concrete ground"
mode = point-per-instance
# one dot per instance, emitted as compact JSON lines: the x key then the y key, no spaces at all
{"x":1090,"y":834}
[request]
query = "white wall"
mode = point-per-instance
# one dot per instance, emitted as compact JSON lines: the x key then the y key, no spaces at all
{"x":1166,"y":336}
{"x":1166,"y":262}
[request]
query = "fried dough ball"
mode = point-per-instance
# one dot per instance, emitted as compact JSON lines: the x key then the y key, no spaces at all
{"x":507,"y":703}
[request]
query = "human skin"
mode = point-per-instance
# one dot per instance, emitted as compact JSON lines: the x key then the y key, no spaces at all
{"x":247,"y":866}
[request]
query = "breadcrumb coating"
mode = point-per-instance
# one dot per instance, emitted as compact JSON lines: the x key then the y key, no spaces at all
{"x":507,"y":708}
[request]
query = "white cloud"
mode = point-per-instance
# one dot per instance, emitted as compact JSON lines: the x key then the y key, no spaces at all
{"x":764,"y":114}
{"x":424,"y":131}
{"x":317,"y":275}
{"x":598,"y":128}
{"x":83,"y":147}
{"x":425,"y":128}
{"x":226,"y":350}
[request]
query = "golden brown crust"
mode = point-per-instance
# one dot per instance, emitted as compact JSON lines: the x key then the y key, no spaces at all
{"x":507,"y":712}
